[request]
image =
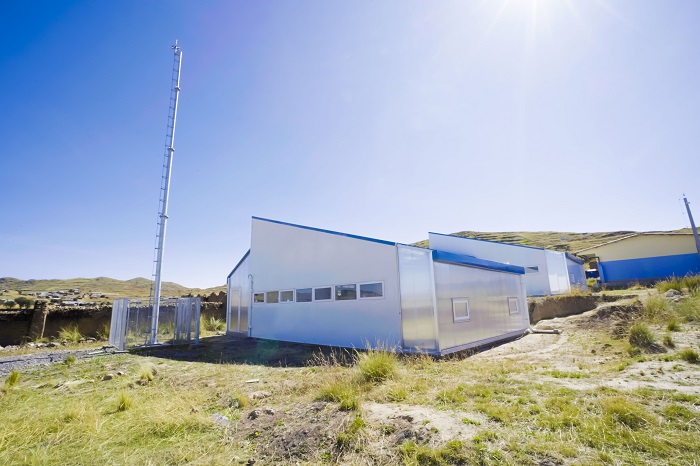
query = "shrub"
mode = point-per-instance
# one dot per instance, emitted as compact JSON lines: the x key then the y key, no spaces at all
{"x":124,"y":402}
{"x":673,"y":326}
{"x":690,"y":356}
{"x":377,"y":365}
{"x":670,"y":284}
{"x":212,"y":324}
{"x":641,"y":336}
{"x":655,"y":308}
{"x":147,"y":373}
{"x":668,"y":341}
{"x":70,"y":334}
{"x":691,"y":282}
{"x":12,"y":379}
{"x":104,"y":333}
{"x":342,"y":391}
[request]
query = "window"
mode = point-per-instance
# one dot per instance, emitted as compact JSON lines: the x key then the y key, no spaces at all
{"x":272,"y":297}
{"x":304,"y":295}
{"x":345,"y":292}
{"x":513,"y":306}
{"x":287,"y":296}
{"x":259,"y":298}
{"x":322,"y":294}
{"x":460,"y":309}
{"x":372,"y":290}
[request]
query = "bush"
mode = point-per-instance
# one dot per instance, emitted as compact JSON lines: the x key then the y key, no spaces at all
{"x":12,"y":379}
{"x":656,"y":308}
{"x":70,"y":334}
{"x":690,"y":356}
{"x":124,"y":402}
{"x":668,"y":341}
{"x":377,"y":365}
{"x":641,"y":336}
{"x":212,"y":324}
{"x":343,"y":392}
{"x":670,"y":284}
{"x":673,"y":326}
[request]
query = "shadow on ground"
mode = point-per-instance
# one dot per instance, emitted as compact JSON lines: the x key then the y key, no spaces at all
{"x":233,"y":349}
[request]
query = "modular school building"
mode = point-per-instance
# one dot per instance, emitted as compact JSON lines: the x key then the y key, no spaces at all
{"x":645,"y":258}
{"x":546,"y":272}
{"x":308,"y":285}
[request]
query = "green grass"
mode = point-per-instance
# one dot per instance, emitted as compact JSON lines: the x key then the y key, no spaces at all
{"x":212,"y":324}
{"x":505,"y":411}
{"x":674,"y":326}
{"x":70,"y":360}
{"x":641,"y":336}
{"x":377,"y":365}
{"x":689,"y":355}
{"x":668,"y":341}
{"x":70,"y":333}
{"x":12,"y":380}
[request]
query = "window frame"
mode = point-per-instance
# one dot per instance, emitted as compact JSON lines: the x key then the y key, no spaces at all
{"x":311,"y":294}
{"x":359,"y":290}
{"x":513,"y":299}
{"x":466,"y":318}
{"x":257,"y":293}
{"x":267,"y":301}
{"x":335,"y":292}
{"x":330,"y":298}
{"x":293,"y":300}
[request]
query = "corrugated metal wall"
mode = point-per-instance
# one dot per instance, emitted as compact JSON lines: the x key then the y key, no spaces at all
{"x":418,"y":320}
{"x":238,"y":299}
{"x":489,"y":313}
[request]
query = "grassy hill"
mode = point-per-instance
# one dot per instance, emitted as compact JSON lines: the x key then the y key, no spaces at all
{"x":556,"y":240}
{"x":136,"y":287}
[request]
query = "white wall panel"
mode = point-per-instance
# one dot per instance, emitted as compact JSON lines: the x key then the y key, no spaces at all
{"x":537,"y":282}
{"x":287,"y":257}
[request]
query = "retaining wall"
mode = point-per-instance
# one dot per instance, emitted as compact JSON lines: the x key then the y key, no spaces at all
{"x":25,"y":325}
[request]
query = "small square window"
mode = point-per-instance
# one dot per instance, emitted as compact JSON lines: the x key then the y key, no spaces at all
{"x":287,"y":296}
{"x":371,"y":290}
{"x":259,"y":298}
{"x":304,"y":295}
{"x":322,"y":294}
{"x":460,"y":309}
{"x":513,"y":307}
{"x":272,"y":297}
{"x":345,"y":292}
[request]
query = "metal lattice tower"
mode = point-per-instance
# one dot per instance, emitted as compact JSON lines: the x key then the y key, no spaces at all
{"x":164,"y":192}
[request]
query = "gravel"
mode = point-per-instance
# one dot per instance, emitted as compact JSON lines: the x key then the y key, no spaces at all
{"x":21,"y":362}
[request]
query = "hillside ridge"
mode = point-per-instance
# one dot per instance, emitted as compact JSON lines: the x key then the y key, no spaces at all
{"x":134,"y":287}
{"x":555,"y":240}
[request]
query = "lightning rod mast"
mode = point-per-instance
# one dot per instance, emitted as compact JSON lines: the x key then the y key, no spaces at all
{"x":164,"y":192}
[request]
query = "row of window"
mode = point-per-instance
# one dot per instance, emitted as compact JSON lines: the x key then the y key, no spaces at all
{"x":460,"y":308}
{"x":322,"y":293}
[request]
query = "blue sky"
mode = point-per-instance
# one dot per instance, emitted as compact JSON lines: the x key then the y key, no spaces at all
{"x":384,"y":119}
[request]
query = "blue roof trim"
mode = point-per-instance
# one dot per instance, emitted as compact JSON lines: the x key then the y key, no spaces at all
{"x":330,"y":232}
{"x":239,"y":264}
{"x":578,"y":260}
{"x":443,"y":256}
{"x":488,"y":241}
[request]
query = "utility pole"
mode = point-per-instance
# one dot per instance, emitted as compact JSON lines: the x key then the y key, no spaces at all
{"x":164,"y":192}
{"x":692,"y":224}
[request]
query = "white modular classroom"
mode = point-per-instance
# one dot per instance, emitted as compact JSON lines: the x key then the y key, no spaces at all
{"x":546,"y":272}
{"x":307,"y":285}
